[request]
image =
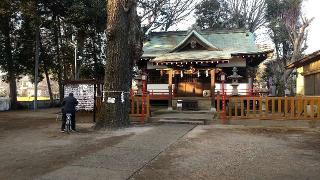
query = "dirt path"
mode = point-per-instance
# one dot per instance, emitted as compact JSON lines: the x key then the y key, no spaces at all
{"x":239,"y":153}
{"x":31,"y":144}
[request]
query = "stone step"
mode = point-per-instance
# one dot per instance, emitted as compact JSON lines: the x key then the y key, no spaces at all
{"x":180,"y":112}
{"x":179,"y":120}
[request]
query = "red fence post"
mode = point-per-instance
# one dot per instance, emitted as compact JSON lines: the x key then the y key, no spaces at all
{"x":144,"y":87}
{"x":223,"y":118}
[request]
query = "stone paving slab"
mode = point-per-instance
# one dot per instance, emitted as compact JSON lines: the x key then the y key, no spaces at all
{"x":86,"y":173}
{"x":124,"y":159}
{"x":117,"y":159}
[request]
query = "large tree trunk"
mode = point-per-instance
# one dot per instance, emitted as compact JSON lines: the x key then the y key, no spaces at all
{"x":121,"y":21}
{"x":11,"y":71}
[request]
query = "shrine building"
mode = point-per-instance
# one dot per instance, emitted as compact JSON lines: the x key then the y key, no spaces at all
{"x":186,"y":65}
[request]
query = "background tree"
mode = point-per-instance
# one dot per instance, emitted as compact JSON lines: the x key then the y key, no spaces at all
{"x":288,"y":31}
{"x":231,"y":14}
{"x":163,"y":14}
{"x":11,"y":46}
{"x":58,"y":22}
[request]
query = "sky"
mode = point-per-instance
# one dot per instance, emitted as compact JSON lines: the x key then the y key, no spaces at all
{"x":310,"y":10}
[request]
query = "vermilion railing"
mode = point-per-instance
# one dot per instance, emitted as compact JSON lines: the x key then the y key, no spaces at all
{"x":277,"y":108}
{"x":136,"y":106}
{"x":165,"y":92}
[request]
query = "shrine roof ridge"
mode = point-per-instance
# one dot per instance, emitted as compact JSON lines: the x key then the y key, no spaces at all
{"x":186,"y":32}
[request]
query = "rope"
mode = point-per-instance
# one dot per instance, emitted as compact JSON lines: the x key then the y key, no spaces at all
{"x":125,"y":92}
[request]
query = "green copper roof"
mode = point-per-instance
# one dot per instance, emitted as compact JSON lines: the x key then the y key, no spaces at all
{"x":188,"y":56}
{"x":200,"y":38}
{"x":225,"y":43}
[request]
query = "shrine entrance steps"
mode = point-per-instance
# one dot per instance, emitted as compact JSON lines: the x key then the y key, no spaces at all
{"x":182,"y":117}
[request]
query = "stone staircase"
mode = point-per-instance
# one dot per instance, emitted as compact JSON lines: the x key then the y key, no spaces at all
{"x":183,"y":117}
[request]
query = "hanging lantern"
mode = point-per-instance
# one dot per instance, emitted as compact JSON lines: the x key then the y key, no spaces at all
{"x":207,"y":73}
{"x":198,"y":73}
{"x":181,"y":74}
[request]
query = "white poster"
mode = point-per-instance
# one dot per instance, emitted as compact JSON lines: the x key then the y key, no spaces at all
{"x":84,"y":93}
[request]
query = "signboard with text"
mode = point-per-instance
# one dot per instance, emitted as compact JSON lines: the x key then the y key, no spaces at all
{"x":84,"y":93}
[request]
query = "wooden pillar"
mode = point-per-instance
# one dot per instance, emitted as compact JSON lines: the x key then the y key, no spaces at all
{"x":213,"y":88}
{"x":170,"y":74}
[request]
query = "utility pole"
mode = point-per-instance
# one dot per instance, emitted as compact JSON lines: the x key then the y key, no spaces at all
{"x":36,"y":69}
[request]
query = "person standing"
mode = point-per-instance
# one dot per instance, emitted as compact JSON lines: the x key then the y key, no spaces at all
{"x":69,"y":106}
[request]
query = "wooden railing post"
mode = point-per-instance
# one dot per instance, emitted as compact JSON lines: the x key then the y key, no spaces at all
{"x":318,"y":112}
{"x":248,"y":107}
{"x":267,"y":107}
{"x":299,"y":109}
{"x":229,"y":107}
{"x":235,"y":107}
{"x":132,"y":104}
{"x":305,"y":104}
{"x":254,"y":107}
{"x":280,"y":107}
{"x":273,"y":108}
{"x":285,"y":107}
{"x":292,"y":107}
{"x":148,"y":105}
{"x":312,"y":108}
{"x":138,"y":105}
{"x":242,"y":107}
{"x":260,"y":107}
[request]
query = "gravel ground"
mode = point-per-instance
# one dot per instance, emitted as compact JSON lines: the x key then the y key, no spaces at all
{"x":31,"y":143}
{"x":32,"y":146}
{"x":220,"y":152}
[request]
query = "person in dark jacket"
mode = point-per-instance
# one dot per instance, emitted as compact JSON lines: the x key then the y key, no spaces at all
{"x":69,"y":106}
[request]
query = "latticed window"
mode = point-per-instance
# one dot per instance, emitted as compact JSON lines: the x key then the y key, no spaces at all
{"x":312,"y":85}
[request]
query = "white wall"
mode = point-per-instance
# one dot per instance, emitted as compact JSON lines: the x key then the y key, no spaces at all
{"x":160,"y":88}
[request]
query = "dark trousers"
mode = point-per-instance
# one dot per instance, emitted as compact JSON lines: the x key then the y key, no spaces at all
{"x":73,"y":120}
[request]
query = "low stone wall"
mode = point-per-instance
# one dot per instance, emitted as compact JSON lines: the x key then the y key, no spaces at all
{"x":41,"y":104}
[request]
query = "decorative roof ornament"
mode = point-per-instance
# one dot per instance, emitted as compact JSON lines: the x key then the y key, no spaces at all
{"x":195,"y":27}
{"x":194,"y":35}
{"x":193,"y":43}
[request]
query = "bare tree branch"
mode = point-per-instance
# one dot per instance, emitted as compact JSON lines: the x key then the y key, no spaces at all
{"x":163,"y":14}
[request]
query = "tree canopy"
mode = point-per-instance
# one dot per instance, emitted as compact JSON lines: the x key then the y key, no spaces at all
{"x":231,"y":14}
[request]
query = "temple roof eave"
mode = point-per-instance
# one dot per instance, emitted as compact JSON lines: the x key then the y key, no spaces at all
{"x":188,"y":56}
